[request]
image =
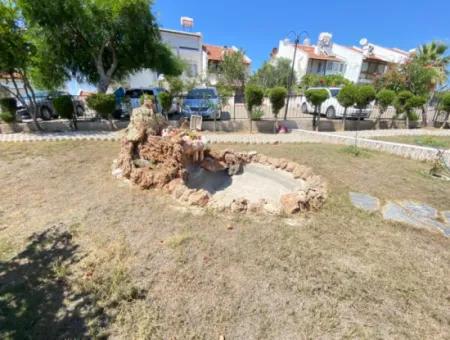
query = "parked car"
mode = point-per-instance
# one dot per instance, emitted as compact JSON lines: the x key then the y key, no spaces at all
{"x":132,"y":99}
{"x":45,"y":109}
{"x":331,"y":107}
{"x":202,"y":101}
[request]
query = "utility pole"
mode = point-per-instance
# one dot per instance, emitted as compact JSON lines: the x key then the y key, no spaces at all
{"x":291,"y":75}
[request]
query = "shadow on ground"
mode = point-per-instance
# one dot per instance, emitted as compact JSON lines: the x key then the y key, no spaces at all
{"x":35,"y":299}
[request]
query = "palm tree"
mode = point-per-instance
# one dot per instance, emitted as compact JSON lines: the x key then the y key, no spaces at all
{"x":433,"y":55}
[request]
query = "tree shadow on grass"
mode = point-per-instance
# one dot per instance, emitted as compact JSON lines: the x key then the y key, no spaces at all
{"x":36,"y":301}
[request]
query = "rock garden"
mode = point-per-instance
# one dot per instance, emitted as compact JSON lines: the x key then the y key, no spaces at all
{"x":178,"y":161}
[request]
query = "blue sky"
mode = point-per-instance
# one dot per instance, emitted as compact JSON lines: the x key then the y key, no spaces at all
{"x":257,"y":26}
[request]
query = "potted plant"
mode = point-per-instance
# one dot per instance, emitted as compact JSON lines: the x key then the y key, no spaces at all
{"x":103,"y":104}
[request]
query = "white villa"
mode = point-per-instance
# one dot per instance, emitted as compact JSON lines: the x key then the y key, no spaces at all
{"x":358,"y":64}
{"x":202,"y":59}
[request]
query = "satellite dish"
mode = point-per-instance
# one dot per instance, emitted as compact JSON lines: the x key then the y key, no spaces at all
{"x":363,"y":42}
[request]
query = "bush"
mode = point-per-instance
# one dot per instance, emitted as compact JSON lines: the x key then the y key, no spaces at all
{"x":146,"y":96}
{"x":316,"y":96}
{"x":445,"y":102}
{"x":165,"y":99}
{"x":64,"y":106}
{"x":385,"y":98}
{"x":8,"y":108}
{"x":277,"y":98}
{"x":103,"y":104}
{"x":401,"y":100}
{"x":364,"y":95}
{"x":254,"y":96}
{"x":310,"y":80}
{"x":257,"y":114}
{"x":346,"y":96}
{"x":7,"y":117}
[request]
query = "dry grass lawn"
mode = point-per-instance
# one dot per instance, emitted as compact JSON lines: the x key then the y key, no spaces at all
{"x":429,"y":141}
{"x":84,"y":255}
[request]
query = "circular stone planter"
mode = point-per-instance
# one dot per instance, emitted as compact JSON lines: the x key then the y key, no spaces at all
{"x":154,"y":156}
{"x":258,"y":184}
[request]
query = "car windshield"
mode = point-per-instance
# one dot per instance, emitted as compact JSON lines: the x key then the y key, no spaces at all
{"x":201,"y":94}
{"x":137,"y":93}
{"x":334,"y":92}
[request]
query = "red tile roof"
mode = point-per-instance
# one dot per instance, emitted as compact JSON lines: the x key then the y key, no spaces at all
{"x":310,"y":51}
{"x":216,"y":53}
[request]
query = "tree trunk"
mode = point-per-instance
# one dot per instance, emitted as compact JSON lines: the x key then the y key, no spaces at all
{"x":318,"y":118}
{"x":344,"y":118}
{"x":103,"y":84}
{"x":407,"y":120}
{"x":424,"y":117}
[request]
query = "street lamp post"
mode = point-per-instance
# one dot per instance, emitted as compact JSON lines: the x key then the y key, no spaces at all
{"x":291,"y":75}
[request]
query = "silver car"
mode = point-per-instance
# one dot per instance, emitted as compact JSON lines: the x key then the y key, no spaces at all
{"x":202,"y":101}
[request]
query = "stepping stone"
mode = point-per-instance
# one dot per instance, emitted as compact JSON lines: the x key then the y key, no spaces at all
{"x":415,"y":214}
{"x":365,"y":202}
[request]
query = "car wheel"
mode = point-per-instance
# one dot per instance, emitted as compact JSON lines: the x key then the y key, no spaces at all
{"x":304,"y":108}
{"x":80,"y":111}
{"x":46,"y":113}
{"x":331,"y":112}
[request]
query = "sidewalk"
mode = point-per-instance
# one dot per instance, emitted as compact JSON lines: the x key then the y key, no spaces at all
{"x":296,"y":136}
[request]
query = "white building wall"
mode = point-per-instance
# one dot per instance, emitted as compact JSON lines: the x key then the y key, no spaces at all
{"x":389,"y":55}
{"x":353,"y":61}
{"x":286,"y":50}
{"x":185,"y":45}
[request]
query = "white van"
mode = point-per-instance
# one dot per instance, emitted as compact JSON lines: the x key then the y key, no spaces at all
{"x":331,"y":107}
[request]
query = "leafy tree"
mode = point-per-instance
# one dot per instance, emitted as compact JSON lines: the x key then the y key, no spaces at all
{"x":176,"y":85}
{"x":406,"y":102}
{"x":445,"y":106}
{"x":233,"y":71}
{"x":277,"y":98}
{"x":97,"y":40}
{"x":385,"y":98}
{"x":16,"y":58}
{"x":275,"y":74}
{"x":225,"y":93}
{"x":346,"y":97}
{"x":316,"y":97}
{"x":434,"y":55}
{"x":166,"y":101}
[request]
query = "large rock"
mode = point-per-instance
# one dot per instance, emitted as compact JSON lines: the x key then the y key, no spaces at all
{"x":199,"y":197}
{"x":290,"y":203}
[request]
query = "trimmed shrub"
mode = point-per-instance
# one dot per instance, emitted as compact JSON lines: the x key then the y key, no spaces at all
{"x":277,"y":97}
{"x":8,"y":108}
{"x":316,"y":96}
{"x":346,"y":96}
{"x":364,"y":95}
{"x":64,"y":106}
{"x":385,"y":98}
{"x":257,"y":114}
{"x":103,"y":104}
{"x":254,"y":96}
{"x":165,"y":99}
